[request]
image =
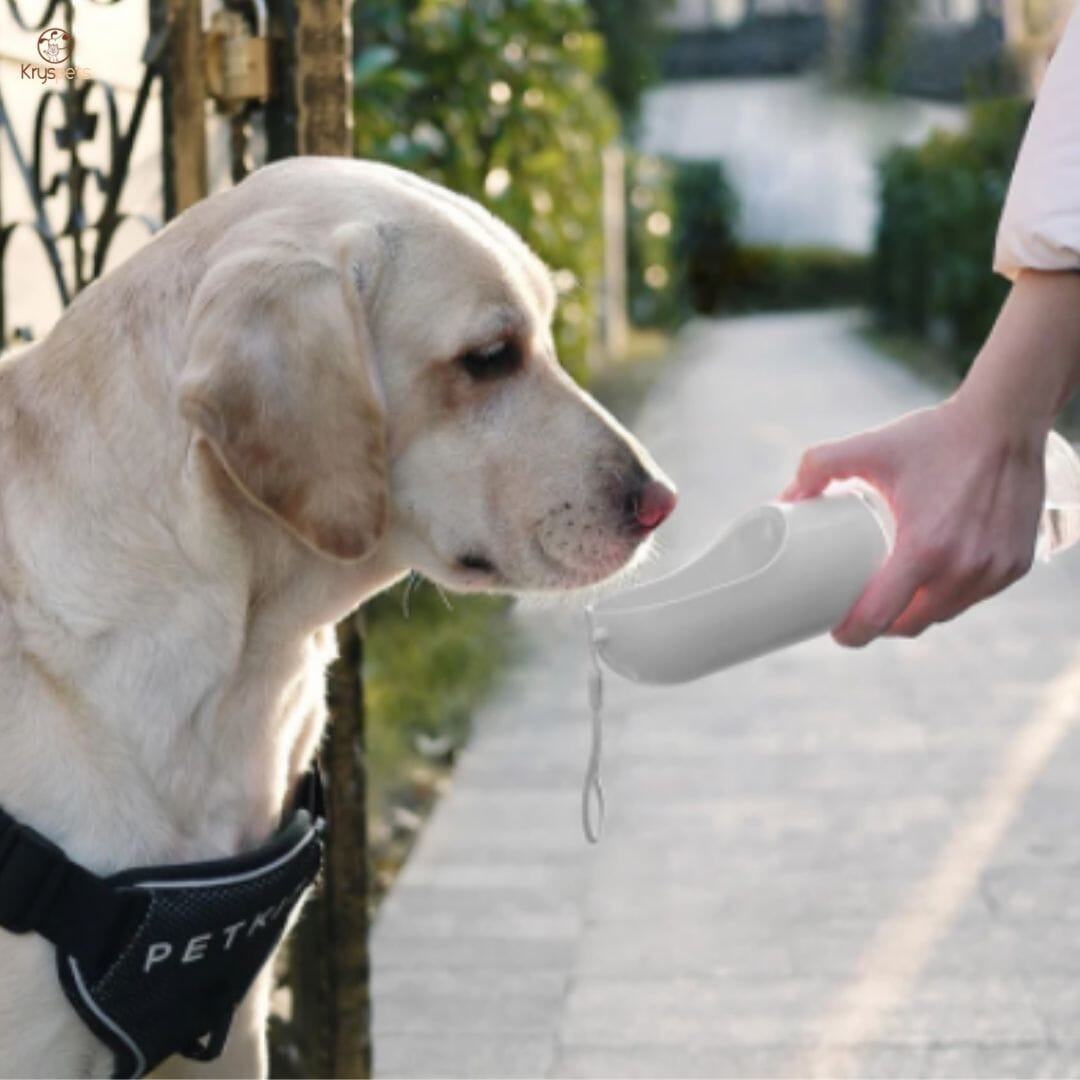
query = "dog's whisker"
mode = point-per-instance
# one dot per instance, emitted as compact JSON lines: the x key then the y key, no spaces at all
{"x":411,"y":584}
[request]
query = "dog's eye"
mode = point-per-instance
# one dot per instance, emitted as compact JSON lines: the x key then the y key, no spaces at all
{"x":492,"y":362}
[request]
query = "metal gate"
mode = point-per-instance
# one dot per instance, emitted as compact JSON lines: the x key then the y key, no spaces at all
{"x":70,"y":165}
{"x":259,"y":80}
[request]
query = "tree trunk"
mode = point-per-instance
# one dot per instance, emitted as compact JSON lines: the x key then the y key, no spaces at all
{"x":330,"y":1031}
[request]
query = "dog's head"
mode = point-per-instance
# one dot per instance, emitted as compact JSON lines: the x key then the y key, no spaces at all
{"x":389,"y":376}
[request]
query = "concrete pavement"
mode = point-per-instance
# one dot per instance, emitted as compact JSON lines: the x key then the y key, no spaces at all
{"x":824,"y":862}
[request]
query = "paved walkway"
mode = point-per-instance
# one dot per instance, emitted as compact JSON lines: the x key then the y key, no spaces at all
{"x":821,"y":863}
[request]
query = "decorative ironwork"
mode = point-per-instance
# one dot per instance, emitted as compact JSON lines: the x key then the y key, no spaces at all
{"x":47,"y":17}
{"x":67,"y":120}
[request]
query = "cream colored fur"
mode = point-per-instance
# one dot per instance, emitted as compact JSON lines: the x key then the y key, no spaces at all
{"x":224,"y":446}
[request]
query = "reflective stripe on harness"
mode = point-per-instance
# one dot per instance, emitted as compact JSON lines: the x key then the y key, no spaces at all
{"x":156,"y":959}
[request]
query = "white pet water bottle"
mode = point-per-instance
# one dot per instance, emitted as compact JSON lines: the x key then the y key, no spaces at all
{"x":780,"y":574}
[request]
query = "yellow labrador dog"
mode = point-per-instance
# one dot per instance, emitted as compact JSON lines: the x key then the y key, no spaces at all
{"x":298,"y":391}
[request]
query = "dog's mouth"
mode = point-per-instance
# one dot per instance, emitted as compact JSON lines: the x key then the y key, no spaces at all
{"x":477,"y":570}
{"x":602,"y":562}
{"x":556,"y":558}
{"x":473,"y":562}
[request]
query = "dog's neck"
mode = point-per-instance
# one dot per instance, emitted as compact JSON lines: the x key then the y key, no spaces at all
{"x":160,"y":641}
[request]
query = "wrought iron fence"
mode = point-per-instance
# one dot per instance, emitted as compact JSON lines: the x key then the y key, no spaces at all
{"x":57,"y":171}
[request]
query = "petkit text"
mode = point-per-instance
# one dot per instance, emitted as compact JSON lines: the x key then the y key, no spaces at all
{"x":199,"y":947}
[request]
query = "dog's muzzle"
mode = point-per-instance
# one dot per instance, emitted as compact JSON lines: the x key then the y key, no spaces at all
{"x":155,"y":960}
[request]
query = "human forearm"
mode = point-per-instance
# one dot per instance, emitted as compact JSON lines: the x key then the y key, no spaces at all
{"x":1029,"y":366}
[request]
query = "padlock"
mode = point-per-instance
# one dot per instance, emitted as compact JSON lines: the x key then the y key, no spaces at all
{"x":237,"y":61}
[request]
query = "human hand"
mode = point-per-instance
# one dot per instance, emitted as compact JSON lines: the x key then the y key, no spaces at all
{"x":966,"y":490}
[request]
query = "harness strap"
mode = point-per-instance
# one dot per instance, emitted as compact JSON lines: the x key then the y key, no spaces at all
{"x":43,"y":891}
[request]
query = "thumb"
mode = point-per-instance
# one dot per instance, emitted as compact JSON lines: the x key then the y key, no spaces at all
{"x":840,"y":460}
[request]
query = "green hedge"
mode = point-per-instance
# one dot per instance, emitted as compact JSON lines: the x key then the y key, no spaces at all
{"x":706,"y":212}
{"x":680,"y":237}
{"x":940,"y":204}
{"x":685,"y":258}
{"x":767,"y":277}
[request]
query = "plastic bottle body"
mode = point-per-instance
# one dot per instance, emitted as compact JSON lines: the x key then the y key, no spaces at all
{"x":779,"y":574}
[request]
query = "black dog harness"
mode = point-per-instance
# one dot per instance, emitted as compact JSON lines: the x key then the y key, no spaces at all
{"x":155,"y":960}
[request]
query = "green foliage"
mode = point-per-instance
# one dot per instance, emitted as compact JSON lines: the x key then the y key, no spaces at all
{"x":706,"y":210}
{"x":635,"y":37}
{"x":684,"y":256}
{"x":431,"y":659}
{"x":426,"y":667}
{"x":651,"y":286}
{"x":940,"y":204}
{"x":882,"y":32}
{"x":680,"y":237}
{"x":498,"y":99}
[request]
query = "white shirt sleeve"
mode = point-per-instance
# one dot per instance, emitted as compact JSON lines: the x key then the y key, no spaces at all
{"x":1040,"y":225}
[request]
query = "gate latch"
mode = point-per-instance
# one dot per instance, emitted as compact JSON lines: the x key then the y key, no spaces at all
{"x":237,"y":60}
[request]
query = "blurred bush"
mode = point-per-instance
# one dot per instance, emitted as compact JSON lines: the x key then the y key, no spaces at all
{"x":706,"y":211}
{"x":773,"y":278}
{"x":685,"y":257}
{"x":635,"y":37}
{"x":652,"y":295}
{"x":680,"y":237}
{"x":501,"y":100}
{"x":940,"y":204}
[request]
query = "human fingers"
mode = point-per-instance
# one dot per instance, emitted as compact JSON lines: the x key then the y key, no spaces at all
{"x":861,"y":455}
{"x":928,"y":606}
{"x":962,"y":583}
{"x":889,"y":593}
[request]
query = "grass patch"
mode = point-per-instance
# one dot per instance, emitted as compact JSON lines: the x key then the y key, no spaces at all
{"x":427,"y":666}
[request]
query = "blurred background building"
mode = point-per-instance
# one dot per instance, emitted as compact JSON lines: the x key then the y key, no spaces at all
{"x":932,"y":46}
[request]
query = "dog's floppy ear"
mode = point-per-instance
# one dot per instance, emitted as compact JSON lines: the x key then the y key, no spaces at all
{"x":279,"y":377}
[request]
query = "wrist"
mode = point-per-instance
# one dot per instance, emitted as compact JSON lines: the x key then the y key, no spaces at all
{"x":1029,"y":365}
{"x":998,"y":425}
{"x":992,"y":398}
